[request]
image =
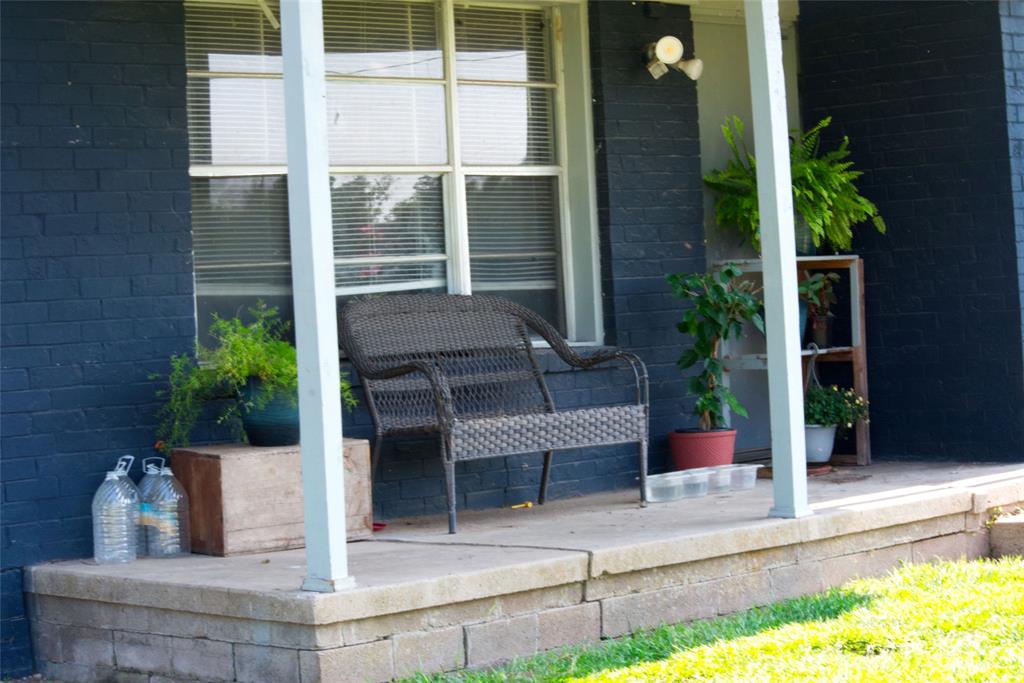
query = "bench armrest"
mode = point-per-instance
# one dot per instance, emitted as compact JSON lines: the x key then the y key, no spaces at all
{"x":574,"y":359}
{"x":442,"y":393}
{"x":643,"y":392}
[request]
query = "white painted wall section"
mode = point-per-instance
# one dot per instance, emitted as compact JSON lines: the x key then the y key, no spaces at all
{"x":724,"y":91}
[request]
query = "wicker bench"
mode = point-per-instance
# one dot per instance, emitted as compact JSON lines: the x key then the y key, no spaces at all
{"x":464,"y":367}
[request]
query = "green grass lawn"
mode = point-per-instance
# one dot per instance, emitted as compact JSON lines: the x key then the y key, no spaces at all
{"x":955,"y":621}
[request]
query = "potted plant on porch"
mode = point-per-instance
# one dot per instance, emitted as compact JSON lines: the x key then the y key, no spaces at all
{"x":722,"y":302}
{"x":827,"y":409}
{"x":817,"y":294}
{"x":826,"y":201}
{"x":251,"y":371}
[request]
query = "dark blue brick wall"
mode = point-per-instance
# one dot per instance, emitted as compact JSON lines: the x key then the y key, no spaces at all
{"x":97,"y":274}
{"x":919,"y":88}
{"x":650,"y":210}
{"x":1011,"y":17}
{"x":96,"y":271}
{"x":650,"y":194}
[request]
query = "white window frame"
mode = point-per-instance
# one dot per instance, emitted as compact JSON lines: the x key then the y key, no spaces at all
{"x":574,"y":165}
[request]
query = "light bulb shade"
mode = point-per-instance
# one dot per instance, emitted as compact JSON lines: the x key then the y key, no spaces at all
{"x":691,"y":67}
{"x":668,"y":49}
{"x":657,"y":68}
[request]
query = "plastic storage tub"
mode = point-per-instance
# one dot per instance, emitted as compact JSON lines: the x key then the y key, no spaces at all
{"x":719,"y":478}
{"x":695,"y":483}
{"x":744,"y":476}
{"x":662,"y":488}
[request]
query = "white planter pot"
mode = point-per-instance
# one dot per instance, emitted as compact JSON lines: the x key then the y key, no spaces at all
{"x":820,"y":441}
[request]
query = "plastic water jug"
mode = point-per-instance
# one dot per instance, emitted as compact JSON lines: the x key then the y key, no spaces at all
{"x":126,"y":481}
{"x":115,"y":516}
{"x":151,"y":468}
{"x":165,"y":509}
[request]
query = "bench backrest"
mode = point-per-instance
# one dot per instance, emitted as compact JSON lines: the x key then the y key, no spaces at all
{"x":481,"y":343}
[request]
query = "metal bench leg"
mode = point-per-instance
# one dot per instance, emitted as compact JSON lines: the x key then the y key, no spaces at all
{"x":643,"y":474}
{"x":544,"y":478}
{"x":449,"y":476}
{"x":375,"y":458}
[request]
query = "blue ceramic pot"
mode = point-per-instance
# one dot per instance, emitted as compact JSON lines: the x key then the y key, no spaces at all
{"x":277,"y":424}
{"x":803,"y":320}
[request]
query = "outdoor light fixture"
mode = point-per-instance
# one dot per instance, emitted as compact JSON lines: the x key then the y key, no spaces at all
{"x":668,"y":53}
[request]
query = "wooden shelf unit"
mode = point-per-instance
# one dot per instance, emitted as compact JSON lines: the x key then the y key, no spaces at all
{"x":856,"y":354}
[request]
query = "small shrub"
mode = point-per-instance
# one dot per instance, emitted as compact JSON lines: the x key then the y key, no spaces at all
{"x":244,"y":351}
{"x":828,"y":406}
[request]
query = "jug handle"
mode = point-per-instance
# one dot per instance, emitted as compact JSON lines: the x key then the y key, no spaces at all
{"x":124,"y":464}
{"x":146,"y":466}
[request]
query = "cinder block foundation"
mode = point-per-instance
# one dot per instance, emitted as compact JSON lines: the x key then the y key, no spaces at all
{"x":1008,"y":535}
{"x":441,"y":604}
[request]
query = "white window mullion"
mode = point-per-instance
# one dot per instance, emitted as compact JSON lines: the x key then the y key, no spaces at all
{"x":562,"y":151}
{"x":512,"y":170}
{"x":458,"y":246}
{"x":509,"y":162}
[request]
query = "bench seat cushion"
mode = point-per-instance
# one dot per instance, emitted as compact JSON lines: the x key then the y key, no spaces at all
{"x":510,"y":435}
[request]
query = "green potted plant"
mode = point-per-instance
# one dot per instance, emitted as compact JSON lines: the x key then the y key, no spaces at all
{"x":722,"y":302}
{"x":827,"y":409}
{"x":826,"y":200}
{"x":817,"y":294}
{"x":251,"y":371}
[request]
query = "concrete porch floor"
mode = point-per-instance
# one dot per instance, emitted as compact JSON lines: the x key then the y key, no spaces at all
{"x":511,"y":582}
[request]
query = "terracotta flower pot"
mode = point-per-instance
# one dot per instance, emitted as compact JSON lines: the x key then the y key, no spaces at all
{"x":821,"y":328}
{"x":694,"y":448}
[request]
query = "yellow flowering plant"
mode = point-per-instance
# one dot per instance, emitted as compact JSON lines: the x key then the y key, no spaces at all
{"x":833,"y":405}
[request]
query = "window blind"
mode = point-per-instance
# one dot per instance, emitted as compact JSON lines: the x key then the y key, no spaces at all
{"x":236,"y":121}
{"x":392,"y":183}
{"x":374,"y":122}
{"x":513,"y":220}
{"x":380,"y":123}
{"x":382,"y":38}
{"x":240,"y":234}
{"x":235,"y":92}
{"x":512,"y":232}
{"x":496,"y":44}
{"x":506,"y":126}
{"x":231,"y":37}
{"x":389,"y":230}
{"x":381,"y":223}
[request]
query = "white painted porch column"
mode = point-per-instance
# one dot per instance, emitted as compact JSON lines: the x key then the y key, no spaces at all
{"x":778,"y":251}
{"x":316,"y":332}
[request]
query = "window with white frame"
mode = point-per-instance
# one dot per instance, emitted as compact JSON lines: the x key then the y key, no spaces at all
{"x":452,"y":165}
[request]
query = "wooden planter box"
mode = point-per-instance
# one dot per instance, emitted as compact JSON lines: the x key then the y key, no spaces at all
{"x":246,"y":499}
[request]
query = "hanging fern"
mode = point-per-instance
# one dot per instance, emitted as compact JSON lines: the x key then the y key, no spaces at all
{"x":824,"y":192}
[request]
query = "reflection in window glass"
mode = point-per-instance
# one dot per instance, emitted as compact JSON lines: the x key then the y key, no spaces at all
{"x":380,"y":219}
